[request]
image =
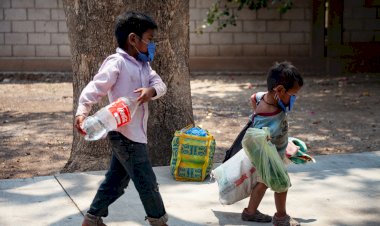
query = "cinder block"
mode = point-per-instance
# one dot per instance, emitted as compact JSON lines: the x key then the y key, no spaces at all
{"x":199,"y":38}
{"x":347,"y":13}
{"x":1,"y":38}
{"x":46,"y":3}
{"x":230,"y":50}
{"x":353,"y":24}
{"x":292,"y":38}
{"x":15,"y":14}
{"x":308,"y":14}
{"x":364,"y":13}
{"x":194,"y":14}
{"x":64,"y":51}
{"x":232,"y":28}
{"x":5,"y":50}
{"x":246,"y":14}
{"x":5,"y":4}
{"x":22,"y":26}
{"x":58,"y":14}
{"x":221,"y":38}
{"x":192,"y":3}
{"x":62,"y":26}
{"x":22,"y":3}
{"x":277,"y":25}
{"x":198,"y":14}
{"x":16,"y":38}
{"x":24,"y":51}
{"x":299,"y":50}
{"x":307,"y":38}
{"x":245,"y":38}
{"x":372,"y":25}
{"x":254,"y":26}
{"x":192,"y":26}
{"x":5,"y":26}
{"x":39,"y":14}
{"x":268,"y":14}
{"x":47,"y":50}
{"x":47,"y":26}
{"x":60,"y":38}
{"x":277,"y":50}
{"x":362,"y":36}
{"x":254,"y":50}
{"x":206,"y":50}
{"x":204,"y":3}
{"x":192,"y":50}
{"x":353,"y":3}
{"x":294,"y":14}
{"x":39,"y":38}
{"x":268,"y":38}
{"x":209,"y":28}
{"x":302,"y":3}
{"x":303,"y":26}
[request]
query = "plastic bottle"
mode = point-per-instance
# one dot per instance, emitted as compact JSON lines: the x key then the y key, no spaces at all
{"x":110,"y":117}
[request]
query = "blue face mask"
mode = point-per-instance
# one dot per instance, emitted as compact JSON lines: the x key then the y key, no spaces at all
{"x":290,"y":106}
{"x":149,"y":56}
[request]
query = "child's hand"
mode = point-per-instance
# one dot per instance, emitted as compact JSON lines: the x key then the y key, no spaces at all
{"x":291,"y":149}
{"x":145,"y":94}
{"x":78,"y":124}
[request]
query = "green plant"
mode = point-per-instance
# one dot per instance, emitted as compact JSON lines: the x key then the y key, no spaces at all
{"x":225,"y":12}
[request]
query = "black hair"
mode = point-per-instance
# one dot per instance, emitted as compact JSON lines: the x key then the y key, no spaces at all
{"x":132,"y":22}
{"x":285,"y":74}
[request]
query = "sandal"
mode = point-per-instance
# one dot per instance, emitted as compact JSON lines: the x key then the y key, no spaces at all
{"x":256,"y":217}
{"x":284,"y":221}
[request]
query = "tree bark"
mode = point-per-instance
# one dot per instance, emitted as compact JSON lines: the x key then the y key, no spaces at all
{"x":91,"y":34}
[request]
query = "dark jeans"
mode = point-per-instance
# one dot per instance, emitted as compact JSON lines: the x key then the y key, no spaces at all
{"x":129,"y":161}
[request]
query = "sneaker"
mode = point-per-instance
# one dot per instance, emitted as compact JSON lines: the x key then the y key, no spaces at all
{"x":91,"y":220}
{"x":284,"y":221}
{"x":257,"y":217}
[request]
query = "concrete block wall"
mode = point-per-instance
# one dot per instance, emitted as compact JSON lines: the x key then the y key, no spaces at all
{"x":265,"y":33}
{"x":33,"y":29}
{"x":360,"y":23}
{"x":33,"y":36}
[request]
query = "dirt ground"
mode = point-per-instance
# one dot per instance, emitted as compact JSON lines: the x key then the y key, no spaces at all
{"x":331,"y":114}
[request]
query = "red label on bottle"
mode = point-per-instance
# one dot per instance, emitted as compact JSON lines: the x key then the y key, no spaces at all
{"x":120,"y":112}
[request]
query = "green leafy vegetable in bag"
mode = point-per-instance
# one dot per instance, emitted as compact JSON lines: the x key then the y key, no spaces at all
{"x":263,"y":155}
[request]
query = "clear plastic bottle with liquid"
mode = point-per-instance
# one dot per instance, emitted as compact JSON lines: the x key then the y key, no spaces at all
{"x":110,"y":117}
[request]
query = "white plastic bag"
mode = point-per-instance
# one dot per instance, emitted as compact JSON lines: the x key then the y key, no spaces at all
{"x":236,"y":178}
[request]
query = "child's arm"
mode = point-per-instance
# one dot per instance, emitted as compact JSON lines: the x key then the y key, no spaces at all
{"x":253,"y":102}
{"x":156,"y":82}
{"x":99,"y":86}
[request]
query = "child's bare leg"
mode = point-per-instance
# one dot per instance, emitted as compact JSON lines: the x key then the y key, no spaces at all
{"x":280,"y":201}
{"x":257,"y":195}
{"x":281,"y":217}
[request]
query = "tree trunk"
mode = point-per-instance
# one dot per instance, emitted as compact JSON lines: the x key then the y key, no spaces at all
{"x":91,"y":33}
